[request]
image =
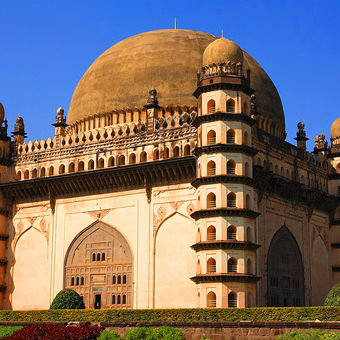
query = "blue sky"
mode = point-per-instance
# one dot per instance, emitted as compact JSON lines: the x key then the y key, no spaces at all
{"x":46,"y":46}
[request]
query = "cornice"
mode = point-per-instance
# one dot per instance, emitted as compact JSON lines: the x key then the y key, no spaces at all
{"x":222,"y":179}
{"x":297,"y":193}
{"x":164,"y":172}
{"x":230,"y":277}
{"x":221,"y":212}
{"x":231,"y":148}
{"x":223,"y":116}
{"x":225,"y":244}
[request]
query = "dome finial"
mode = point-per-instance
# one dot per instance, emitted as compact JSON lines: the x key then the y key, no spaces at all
{"x":2,"y":113}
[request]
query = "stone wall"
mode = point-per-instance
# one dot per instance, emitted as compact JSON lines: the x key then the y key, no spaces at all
{"x":245,"y":330}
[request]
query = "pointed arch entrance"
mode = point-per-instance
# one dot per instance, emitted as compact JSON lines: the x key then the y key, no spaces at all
{"x":285,"y":273}
{"x":99,"y":266}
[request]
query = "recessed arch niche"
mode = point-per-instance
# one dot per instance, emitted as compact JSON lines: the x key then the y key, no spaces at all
{"x":102,"y":260}
{"x":285,"y":273}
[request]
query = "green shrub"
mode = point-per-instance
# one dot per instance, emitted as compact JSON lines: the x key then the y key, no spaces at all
{"x":67,"y":299}
{"x":160,"y":333}
{"x":137,"y":333}
{"x":107,"y":335}
{"x":6,"y":331}
{"x":167,"y":333}
{"x":315,"y":335}
{"x":333,"y":297}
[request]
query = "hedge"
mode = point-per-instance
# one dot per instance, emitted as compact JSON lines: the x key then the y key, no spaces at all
{"x":177,"y":315}
{"x":309,"y":336}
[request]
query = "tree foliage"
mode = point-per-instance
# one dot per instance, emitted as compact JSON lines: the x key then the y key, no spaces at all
{"x":333,"y":297}
{"x":67,"y":299}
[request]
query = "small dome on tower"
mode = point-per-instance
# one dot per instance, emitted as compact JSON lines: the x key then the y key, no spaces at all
{"x":222,"y":50}
{"x":335,"y":128}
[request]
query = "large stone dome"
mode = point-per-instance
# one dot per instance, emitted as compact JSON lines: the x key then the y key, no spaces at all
{"x":167,"y":60}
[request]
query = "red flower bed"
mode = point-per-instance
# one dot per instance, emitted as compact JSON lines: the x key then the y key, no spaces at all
{"x":46,"y":332}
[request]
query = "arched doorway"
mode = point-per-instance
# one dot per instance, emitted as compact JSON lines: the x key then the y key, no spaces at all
{"x":99,"y":266}
{"x":285,"y":274}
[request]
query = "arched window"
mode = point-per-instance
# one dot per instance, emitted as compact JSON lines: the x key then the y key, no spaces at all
{"x":124,"y":279}
{"x":249,"y":300}
{"x":211,"y":233}
{"x":246,"y":169}
{"x":93,"y":256}
{"x":34,"y":173}
{"x":77,"y":281}
{"x":155,"y":155}
{"x":71,"y":167}
{"x":249,"y":267}
{"x":121,"y":160}
{"x":101,"y":163}
{"x":187,"y":150}
{"x":81,"y":166}
{"x":276,"y":169}
{"x":51,"y":171}
{"x":113,"y":279}
{"x":230,"y":105}
{"x":198,"y":235}
{"x":124,"y":299}
{"x":111,"y":161}
{"x":26,"y":174}
{"x":143,"y":157}
{"x":61,"y":169}
{"x":118,"y":299}
{"x":211,"y":106}
{"x":246,"y":138}
{"x":198,"y":268}
{"x":232,"y":300}
{"x":232,"y":265}
{"x":103,"y":256}
{"x":248,"y":202}
{"x":176,"y":151}
{"x":245,"y":108}
{"x":211,"y":265}
{"x":166,"y":153}
{"x":231,"y":200}
{"x":82,"y":280}
{"x":249,"y":235}
{"x":72,"y":281}
{"x":282,"y":171}
{"x":211,"y":200}
{"x":98,"y":256}
{"x":119,"y":279}
{"x":230,"y":136}
{"x":211,"y":168}
{"x":287,"y":174}
{"x":19,"y":175}
{"x":211,"y":137}
{"x":211,"y":300}
{"x":259,"y":163}
{"x":231,"y":166}
{"x":91,"y":164}
{"x":113,"y":299}
{"x":231,"y":232}
{"x":132,"y":158}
